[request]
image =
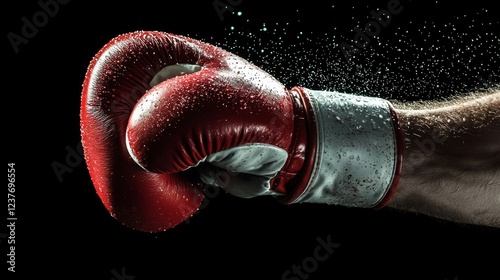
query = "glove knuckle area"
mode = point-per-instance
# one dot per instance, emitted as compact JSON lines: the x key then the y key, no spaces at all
{"x":121,"y":72}
{"x":117,"y":77}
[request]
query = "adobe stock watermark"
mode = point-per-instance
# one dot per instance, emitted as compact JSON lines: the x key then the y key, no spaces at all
{"x":72,"y":159}
{"x":427,"y":146}
{"x":31,"y":25}
{"x":490,"y":81}
{"x":310,"y":264}
{"x":210,"y":193}
{"x":74,"y":156}
{"x":221,"y":6}
{"x":381,"y":18}
{"x":122,"y":275}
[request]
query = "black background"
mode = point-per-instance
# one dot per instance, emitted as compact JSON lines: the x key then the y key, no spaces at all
{"x":64,"y":232}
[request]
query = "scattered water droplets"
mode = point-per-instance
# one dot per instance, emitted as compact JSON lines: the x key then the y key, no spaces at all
{"x":412,"y":58}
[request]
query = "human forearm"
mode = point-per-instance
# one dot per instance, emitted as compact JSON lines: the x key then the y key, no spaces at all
{"x":451,"y":167}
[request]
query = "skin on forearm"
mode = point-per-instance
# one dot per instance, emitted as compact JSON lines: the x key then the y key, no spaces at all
{"x":451,"y":165}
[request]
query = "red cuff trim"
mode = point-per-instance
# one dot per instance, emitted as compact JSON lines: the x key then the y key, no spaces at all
{"x":298,"y":184}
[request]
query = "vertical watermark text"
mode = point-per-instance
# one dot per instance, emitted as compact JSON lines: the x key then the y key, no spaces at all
{"x":11,"y":217}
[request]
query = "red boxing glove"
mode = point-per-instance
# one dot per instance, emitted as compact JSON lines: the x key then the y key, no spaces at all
{"x":162,"y":114}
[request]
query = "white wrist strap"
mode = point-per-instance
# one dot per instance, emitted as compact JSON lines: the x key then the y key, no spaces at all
{"x":356,"y":155}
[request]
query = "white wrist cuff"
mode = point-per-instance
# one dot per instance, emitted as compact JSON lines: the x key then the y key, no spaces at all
{"x":356,"y":155}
